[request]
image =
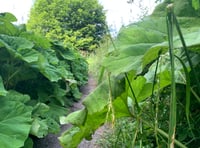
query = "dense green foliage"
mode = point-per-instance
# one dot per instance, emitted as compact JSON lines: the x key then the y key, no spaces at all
{"x":38,"y":80}
{"x":182,"y":8}
{"x":138,"y":86}
{"x":77,"y":22}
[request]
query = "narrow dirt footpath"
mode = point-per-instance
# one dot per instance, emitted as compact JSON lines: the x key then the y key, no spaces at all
{"x":51,"y":141}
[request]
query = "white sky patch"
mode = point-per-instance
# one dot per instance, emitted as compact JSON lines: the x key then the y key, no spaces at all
{"x":119,"y":12}
{"x":20,"y":8}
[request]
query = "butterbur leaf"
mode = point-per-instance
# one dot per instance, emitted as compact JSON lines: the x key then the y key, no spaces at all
{"x":153,"y":53}
{"x":121,"y":107}
{"x":39,"y":128}
{"x":135,"y":49}
{"x":8,"y":17}
{"x":122,"y":64}
{"x":15,"y":43}
{"x":98,"y":99}
{"x":72,"y":137}
{"x":28,"y":143}
{"x":49,"y":71}
{"x":68,"y":136}
{"x":192,"y":41}
{"x":6,"y":27}
{"x":15,"y":123}
{"x":39,"y":41}
{"x":55,"y":111}
{"x":29,"y":55}
{"x":16,"y":96}
{"x":53,"y":125}
{"x":75,"y":118}
{"x":40,"y":109}
{"x":141,"y":88}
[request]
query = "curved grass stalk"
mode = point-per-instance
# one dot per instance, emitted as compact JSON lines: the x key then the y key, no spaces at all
{"x":187,"y":98}
{"x":186,"y":52}
{"x":172,"y":118}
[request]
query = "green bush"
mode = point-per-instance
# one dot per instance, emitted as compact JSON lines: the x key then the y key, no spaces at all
{"x":38,"y":80}
{"x":79,"y":22}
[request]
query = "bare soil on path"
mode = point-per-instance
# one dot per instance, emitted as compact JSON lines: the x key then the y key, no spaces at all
{"x":51,"y":140}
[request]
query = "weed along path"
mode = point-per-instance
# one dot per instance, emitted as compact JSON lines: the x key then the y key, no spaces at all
{"x":51,"y":141}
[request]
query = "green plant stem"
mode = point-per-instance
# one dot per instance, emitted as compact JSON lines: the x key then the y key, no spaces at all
{"x":156,"y":118}
{"x":136,"y":102}
{"x":110,"y":104}
{"x":135,"y":136}
{"x":154,"y":79}
{"x":164,"y":134}
{"x":195,"y":94}
{"x":178,"y":143}
{"x":172,"y":118}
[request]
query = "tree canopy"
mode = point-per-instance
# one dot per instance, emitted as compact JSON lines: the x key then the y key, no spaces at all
{"x":80,"y":22}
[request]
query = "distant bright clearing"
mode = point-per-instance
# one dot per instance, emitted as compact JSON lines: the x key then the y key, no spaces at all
{"x":118,"y":12}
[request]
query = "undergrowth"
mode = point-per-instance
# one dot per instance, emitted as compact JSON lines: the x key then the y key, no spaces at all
{"x":95,"y":58}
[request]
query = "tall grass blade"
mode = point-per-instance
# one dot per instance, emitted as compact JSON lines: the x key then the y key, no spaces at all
{"x":156,"y":103}
{"x":172,"y":118}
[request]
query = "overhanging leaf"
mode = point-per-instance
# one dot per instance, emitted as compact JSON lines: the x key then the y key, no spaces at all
{"x":122,"y":64}
{"x":8,"y":17}
{"x":15,"y":123}
{"x":75,"y":118}
{"x":97,"y":100}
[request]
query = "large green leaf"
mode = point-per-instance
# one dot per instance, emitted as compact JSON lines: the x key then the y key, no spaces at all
{"x":141,"y":88}
{"x":88,"y":119}
{"x":120,"y":106}
{"x":38,"y":40}
{"x":39,"y":127}
{"x":122,"y":64}
{"x":98,"y":99}
{"x":192,"y":41}
{"x":15,"y":123}
{"x":15,"y":43}
{"x":72,"y":137}
{"x":6,"y":27}
{"x":146,"y":31}
{"x":22,"y":49}
{"x":16,"y":96}
{"x":75,"y":118}
{"x":8,"y":17}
